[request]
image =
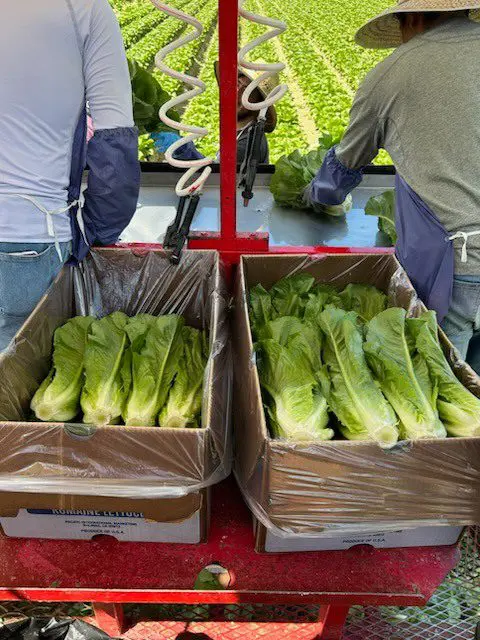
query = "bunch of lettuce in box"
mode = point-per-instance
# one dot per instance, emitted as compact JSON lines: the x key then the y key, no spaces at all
{"x":342,"y":362}
{"x":293,"y":174}
{"x":141,"y":371}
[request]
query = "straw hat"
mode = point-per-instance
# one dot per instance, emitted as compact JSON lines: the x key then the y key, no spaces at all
{"x":383,"y":32}
{"x":257,"y":96}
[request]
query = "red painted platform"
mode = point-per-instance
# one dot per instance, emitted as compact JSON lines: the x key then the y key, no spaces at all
{"x":66,"y":570}
{"x":107,"y":571}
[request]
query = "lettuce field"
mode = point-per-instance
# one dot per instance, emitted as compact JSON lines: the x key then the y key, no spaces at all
{"x":324,"y":66}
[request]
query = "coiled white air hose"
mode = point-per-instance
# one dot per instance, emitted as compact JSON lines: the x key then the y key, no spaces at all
{"x":269,"y":70}
{"x":195,"y":133}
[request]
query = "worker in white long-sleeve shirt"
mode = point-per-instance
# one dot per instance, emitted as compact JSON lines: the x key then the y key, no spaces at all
{"x":57,"y":55}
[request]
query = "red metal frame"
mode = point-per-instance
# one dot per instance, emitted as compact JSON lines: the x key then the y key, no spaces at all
{"x":110,"y":573}
{"x":231,"y":243}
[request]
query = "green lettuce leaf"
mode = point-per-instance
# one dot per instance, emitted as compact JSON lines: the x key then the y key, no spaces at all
{"x":147,"y":98}
{"x":290,"y":295}
{"x":154,"y":366}
{"x":137,"y":329}
{"x":58,"y":397}
{"x":367,"y":301}
{"x":383,"y":206}
{"x":290,"y":331}
{"x":354,"y":397}
{"x":290,"y":374}
{"x":390,"y":350}
{"x":321,"y":296}
{"x":261,"y":310}
{"x":458,"y":408}
{"x":107,"y":371}
{"x":184,"y":404}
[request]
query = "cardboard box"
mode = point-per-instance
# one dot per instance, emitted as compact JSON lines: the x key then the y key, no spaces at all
{"x":61,"y":517}
{"x":135,"y":483}
{"x":326,"y":489}
{"x":420,"y":537}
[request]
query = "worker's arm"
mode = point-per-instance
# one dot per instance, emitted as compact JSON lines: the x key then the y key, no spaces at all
{"x":165,"y":139}
{"x":112,"y":153}
{"x":342,"y":169}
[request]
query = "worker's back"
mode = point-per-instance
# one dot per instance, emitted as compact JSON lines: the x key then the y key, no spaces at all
{"x":428,"y":98}
{"x":51,"y":50}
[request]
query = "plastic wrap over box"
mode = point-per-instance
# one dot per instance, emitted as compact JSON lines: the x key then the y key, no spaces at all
{"x":75,"y":466}
{"x":320,"y":489}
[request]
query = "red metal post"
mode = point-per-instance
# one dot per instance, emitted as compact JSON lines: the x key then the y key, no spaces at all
{"x":109,"y":617}
{"x":228,"y":57}
{"x":333,"y":618}
{"x":228,"y":241}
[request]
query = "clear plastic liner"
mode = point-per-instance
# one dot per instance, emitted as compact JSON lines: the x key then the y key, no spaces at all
{"x":337,"y":487}
{"x":119,"y":461}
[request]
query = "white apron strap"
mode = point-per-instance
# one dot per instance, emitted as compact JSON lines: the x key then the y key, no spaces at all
{"x":464,"y":235}
{"x":81,"y":225}
{"x":50,"y":221}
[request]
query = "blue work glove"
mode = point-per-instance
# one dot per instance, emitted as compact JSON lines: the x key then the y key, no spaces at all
{"x":321,"y":208}
{"x":164,"y":139}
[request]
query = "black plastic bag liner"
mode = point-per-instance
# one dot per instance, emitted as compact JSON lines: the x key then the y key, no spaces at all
{"x":44,"y":629}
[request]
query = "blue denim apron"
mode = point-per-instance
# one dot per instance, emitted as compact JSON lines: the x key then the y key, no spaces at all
{"x":425,"y":249}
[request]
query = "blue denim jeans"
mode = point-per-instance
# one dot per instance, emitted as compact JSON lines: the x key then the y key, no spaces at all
{"x":462,"y":324}
{"x":26,"y":272}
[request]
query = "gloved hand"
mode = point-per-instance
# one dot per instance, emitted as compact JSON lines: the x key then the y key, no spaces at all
{"x":165,"y":139}
{"x":337,"y":210}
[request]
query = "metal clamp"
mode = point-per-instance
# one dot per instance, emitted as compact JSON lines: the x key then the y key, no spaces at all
{"x":177,"y":233}
{"x":249,"y":167}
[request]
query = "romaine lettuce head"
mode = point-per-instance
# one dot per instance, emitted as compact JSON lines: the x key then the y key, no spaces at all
{"x":154,"y":366}
{"x":184,"y":403}
{"x":296,"y":406}
{"x":383,"y":206}
{"x":58,"y":397}
{"x":293,"y":174}
{"x":367,"y":301}
{"x":458,"y":408}
{"x":107,"y":371}
{"x":354,"y":397}
{"x":391,"y":353}
{"x":147,"y":98}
